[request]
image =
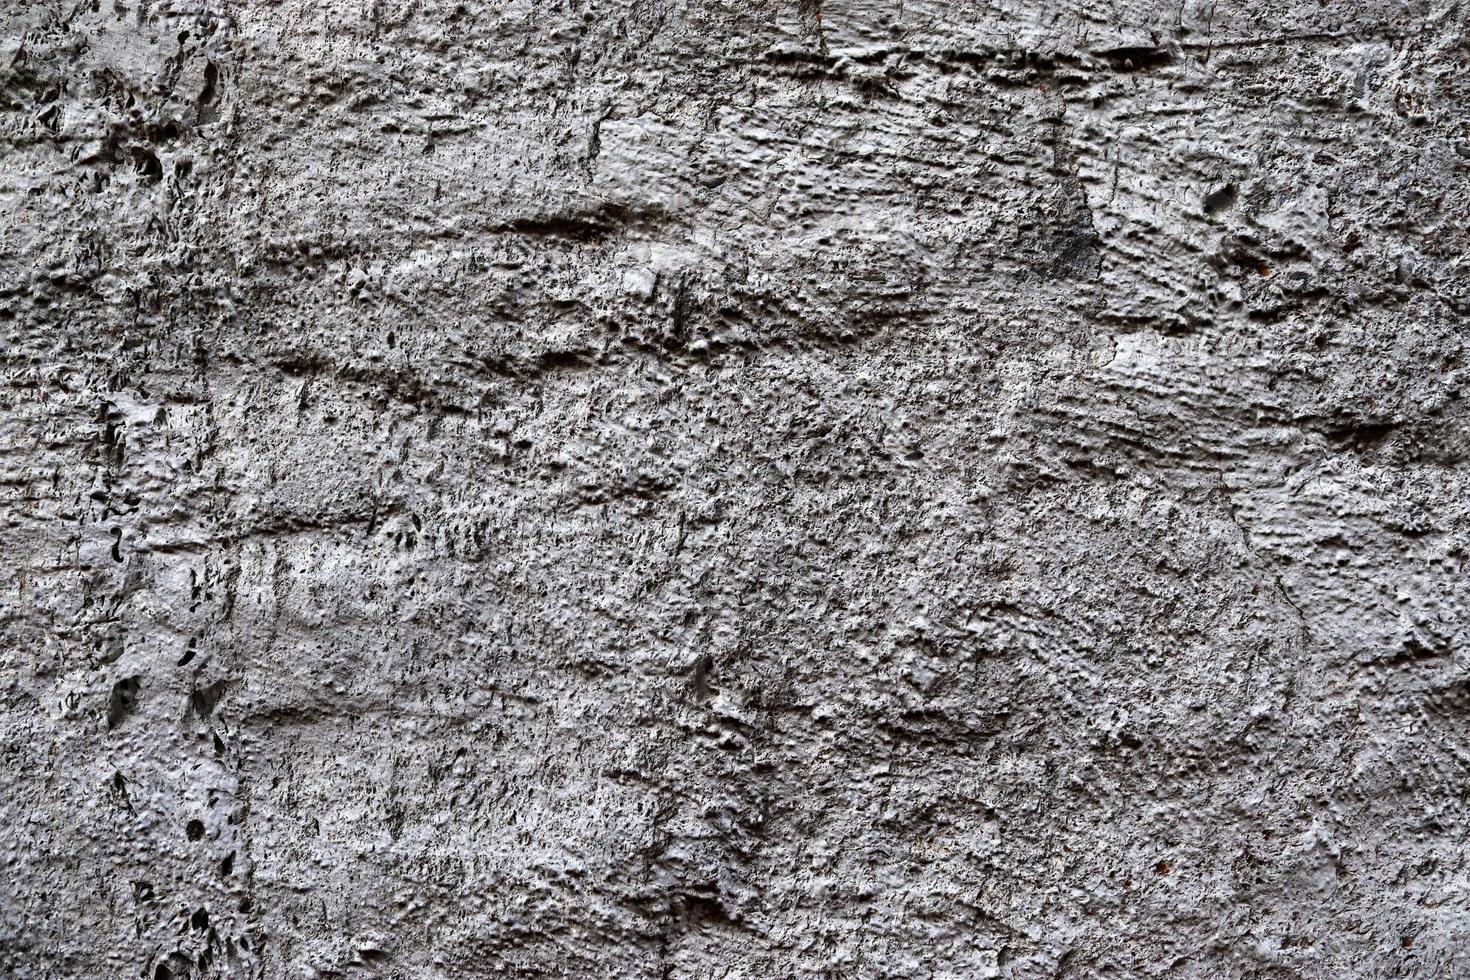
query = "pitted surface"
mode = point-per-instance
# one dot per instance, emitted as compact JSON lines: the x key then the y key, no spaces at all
{"x":719,"y":490}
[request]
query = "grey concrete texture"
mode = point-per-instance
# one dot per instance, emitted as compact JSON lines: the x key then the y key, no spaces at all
{"x":693,"y":489}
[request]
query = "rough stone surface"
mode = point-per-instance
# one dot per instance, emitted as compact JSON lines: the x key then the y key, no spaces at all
{"x":697,"y":489}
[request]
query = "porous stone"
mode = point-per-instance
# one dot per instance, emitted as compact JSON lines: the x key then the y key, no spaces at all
{"x":705,"y":489}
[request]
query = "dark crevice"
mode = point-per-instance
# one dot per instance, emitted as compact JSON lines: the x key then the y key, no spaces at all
{"x":591,"y":225}
{"x":123,"y":701}
{"x":1136,"y":58}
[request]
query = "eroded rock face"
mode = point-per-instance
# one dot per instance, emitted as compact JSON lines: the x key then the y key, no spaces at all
{"x":734,"y":490}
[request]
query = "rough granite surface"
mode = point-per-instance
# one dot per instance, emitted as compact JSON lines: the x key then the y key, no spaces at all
{"x":683,"y":489}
